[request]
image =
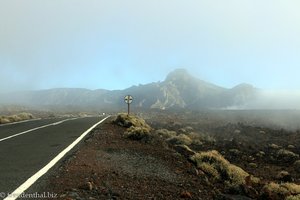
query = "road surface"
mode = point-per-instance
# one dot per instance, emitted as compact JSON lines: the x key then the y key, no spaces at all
{"x":27,"y":147}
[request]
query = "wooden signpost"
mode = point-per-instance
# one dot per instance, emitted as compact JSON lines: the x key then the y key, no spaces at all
{"x":128,"y":99}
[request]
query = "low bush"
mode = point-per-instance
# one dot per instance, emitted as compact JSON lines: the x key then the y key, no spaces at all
{"x":287,"y":155}
{"x":216,"y":166}
{"x":127,"y":121}
{"x":296,"y":197}
{"x":15,"y":118}
{"x":180,"y":139}
{"x":165,"y":133}
{"x":196,"y":138}
{"x":280,"y":191}
{"x":137,"y":128}
{"x":274,"y":146}
{"x":297,"y":165}
{"x":137,"y":133}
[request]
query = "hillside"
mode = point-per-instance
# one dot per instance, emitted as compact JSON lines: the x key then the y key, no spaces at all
{"x":178,"y":90}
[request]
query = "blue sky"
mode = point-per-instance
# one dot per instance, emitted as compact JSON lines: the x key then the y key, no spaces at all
{"x":114,"y":44}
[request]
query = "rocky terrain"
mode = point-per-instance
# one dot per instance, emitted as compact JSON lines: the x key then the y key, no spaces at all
{"x":178,"y":90}
{"x":177,"y":156}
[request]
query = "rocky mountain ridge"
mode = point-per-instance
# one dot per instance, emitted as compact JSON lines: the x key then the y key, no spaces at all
{"x":178,"y":90}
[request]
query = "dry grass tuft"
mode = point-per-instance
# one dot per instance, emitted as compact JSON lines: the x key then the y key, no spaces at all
{"x":137,"y":128}
{"x":297,"y":197}
{"x":216,"y":166}
{"x":15,"y":118}
{"x":281,"y":191}
{"x":180,"y":139}
{"x":137,"y":133}
{"x":196,"y":138}
{"x":165,"y":133}
{"x":287,"y":155}
{"x":297,"y":165}
{"x":210,"y":170}
{"x":127,"y":121}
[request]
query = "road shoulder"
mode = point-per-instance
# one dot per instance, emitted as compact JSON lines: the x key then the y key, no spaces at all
{"x":111,"y":166}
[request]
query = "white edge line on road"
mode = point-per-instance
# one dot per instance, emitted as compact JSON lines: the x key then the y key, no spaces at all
{"x":29,"y":120}
{"x":52,"y":124}
{"x":21,"y":189}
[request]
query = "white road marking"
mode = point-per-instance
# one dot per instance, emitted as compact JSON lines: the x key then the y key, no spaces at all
{"x":30,"y":120}
{"x":52,"y":124}
{"x":21,"y":189}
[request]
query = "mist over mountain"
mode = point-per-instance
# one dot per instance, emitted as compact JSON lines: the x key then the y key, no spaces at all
{"x":178,"y":90}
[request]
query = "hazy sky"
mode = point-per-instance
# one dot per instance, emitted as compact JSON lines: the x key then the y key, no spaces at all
{"x":114,"y":44}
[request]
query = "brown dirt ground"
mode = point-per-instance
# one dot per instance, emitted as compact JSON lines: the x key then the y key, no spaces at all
{"x":109,"y":166}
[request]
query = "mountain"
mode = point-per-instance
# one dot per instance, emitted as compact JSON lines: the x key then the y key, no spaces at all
{"x":178,"y":90}
{"x":181,"y":90}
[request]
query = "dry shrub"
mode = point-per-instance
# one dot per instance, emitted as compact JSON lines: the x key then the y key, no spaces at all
{"x":137,"y":128}
{"x":186,"y":130}
{"x":180,"y":139}
{"x":4,"y":120}
{"x":297,"y":197}
{"x":280,"y":191}
{"x":15,"y":118}
{"x":137,"y":133}
{"x":297,"y":165}
{"x":235,"y":152}
{"x":291,"y":146}
{"x":189,"y":129}
{"x":206,"y":138}
{"x":215,"y":165}
{"x":287,"y":155}
{"x":274,"y":146}
{"x":127,"y":121}
{"x":261,"y":154}
{"x":165,"y":133}
{"x":292,"y":187}
{"x":25,"y":116}
{"x":253,"y":165}
{"x":284,"y":176}
{"x":184,"y":150}
{"x":209,"y":170}
{"x":196,"y":138}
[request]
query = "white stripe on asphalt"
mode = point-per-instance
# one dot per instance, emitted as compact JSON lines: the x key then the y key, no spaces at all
{"x":53,"y":124}
{"x":29,"y":120}
{"x":21,"y":189}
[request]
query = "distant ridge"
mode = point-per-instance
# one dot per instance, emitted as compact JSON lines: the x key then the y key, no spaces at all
{"x":178,"y":90}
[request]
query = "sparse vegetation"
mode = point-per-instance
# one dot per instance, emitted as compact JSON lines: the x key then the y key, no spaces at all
{"x":260,"y":154}
{"x":180,"y":139}
{"x":165,"y":133}
{"x":297,"y":197}
{"x":280,"y":191}
{"x":253,"y":165}
{"x":283,"y":176}
{"x":137,"y":128}
{"x":290,"y":146}
{"x":15,"y":118}
{"x":287,"y":155}
{"x":297,"y":165}
{"x":196,"y":138}
{"x":216,"y":166}
{"x":137,"y":133}
{"x":274,"y":146}
{"x":230,"y":171}
{"x":125,"y":120}
{"x":209,"y":170}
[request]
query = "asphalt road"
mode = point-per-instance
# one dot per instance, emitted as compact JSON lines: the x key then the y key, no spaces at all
{"x":22,"y":156}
